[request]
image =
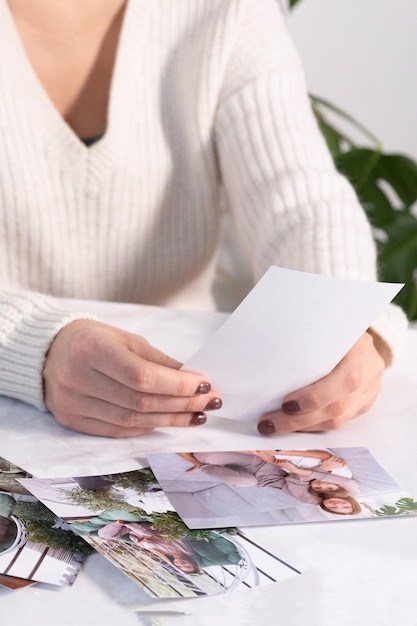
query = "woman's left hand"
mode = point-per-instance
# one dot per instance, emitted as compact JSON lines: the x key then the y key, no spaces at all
{"x":348,"y":391}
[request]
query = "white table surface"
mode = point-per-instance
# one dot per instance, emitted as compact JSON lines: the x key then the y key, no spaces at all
{"x":361,"y":572}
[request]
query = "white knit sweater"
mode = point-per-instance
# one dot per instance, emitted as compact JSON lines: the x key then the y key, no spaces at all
{"x":207,"y":95}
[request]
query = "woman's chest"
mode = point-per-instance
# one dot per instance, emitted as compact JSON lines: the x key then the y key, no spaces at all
{"x":73,"y":56}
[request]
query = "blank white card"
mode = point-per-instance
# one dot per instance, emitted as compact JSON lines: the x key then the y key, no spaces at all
{"x":291,"y":330}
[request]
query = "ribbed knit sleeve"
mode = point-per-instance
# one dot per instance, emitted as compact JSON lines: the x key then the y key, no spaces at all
{"x":291,"y":207}
{"x":28,"y":324}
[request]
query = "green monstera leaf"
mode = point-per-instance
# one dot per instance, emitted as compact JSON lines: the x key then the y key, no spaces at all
{"x":386,"y":185}
{"x":407,"y":504}
{"x":398,"y":261}
{"x":403,"y":506}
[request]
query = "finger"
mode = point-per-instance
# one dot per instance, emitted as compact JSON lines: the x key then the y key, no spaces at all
{"x":332,"y":417}
{"x":336,"y":423}
{"x":146,"y":405}
{"x":127,"y":358}
{"x":96,"y":427}
{"x":129,"y":424}
{"x":141,"y":347}
{"x":280,"y":423}
{"x":97,"y":386}
{"x":339,"y":384}
{"x":122,"y":420}
{"x":333,"y":424}
{"x":92,"y":342}
{"x":139,"y":374}
{"x":362,"y":363}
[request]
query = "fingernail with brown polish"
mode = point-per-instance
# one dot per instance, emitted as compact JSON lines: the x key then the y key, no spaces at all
{"x":203,"y":388}
{"x":291,"y":407}
{"x":198,"y":418}
{"x":266,"y":427}
{"x":215,"y":403}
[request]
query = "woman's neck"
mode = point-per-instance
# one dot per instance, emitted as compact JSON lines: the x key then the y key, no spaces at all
{"x":72,"y":45}
{"x":57,"y":18}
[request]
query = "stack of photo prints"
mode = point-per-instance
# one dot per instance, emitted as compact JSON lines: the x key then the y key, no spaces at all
{"x":176,"y":527}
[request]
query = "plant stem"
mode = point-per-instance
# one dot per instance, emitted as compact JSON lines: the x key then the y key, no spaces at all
{"x":329,"y":105}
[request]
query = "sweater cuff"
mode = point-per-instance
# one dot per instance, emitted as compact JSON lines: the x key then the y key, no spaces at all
{"x":389,"y":332}
{"x":29,"y":323}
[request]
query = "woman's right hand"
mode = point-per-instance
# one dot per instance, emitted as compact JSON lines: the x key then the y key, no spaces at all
{"x":105,"y":381}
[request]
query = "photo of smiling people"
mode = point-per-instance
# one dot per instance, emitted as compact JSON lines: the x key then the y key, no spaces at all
{"x":305,"y":474}
{"x":154,"y":547}
{"x":259,"y":487}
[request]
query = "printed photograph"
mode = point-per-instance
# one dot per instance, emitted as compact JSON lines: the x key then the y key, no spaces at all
{"x":128,"y":519}
{"x":261,"y":487}
{"x":35,"y":545}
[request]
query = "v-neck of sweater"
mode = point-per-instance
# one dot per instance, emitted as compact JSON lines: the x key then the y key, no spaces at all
{"x":61,"y":143}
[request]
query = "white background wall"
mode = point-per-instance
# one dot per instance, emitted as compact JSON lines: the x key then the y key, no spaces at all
{"x":362,"y":55}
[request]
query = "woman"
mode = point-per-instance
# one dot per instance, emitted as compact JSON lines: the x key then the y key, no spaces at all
{"x":302,"y":467}
{"x":250,"y":469}
{"x":143,"y":534}
{"x":184,"y":564}
{"x":341,"y":505}
{"x":187,"y":554}
{"x":123,"y":125}
{"x":323,"y":460}
{"x":214,"y":549}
